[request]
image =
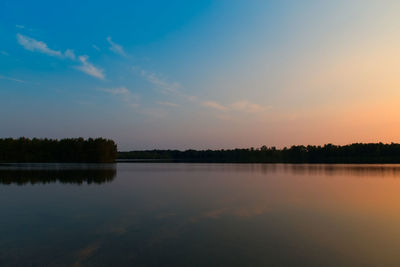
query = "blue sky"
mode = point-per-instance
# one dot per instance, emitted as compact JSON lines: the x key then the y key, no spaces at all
{"x":200,"y":74}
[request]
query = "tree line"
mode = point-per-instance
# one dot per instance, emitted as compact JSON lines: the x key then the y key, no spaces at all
{"x":23,"y":149}
{"x":329,"y":153}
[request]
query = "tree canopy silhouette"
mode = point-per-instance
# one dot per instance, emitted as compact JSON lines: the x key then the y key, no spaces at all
{"x":52,"y":150}
{"x":353,"y":153}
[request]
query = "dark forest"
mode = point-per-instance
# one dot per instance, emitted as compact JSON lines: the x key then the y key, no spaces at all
{"x":353,"y":153}
{"x":78,"y":150}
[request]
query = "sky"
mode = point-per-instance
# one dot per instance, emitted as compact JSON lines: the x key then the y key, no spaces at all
{"x":201,"y":74}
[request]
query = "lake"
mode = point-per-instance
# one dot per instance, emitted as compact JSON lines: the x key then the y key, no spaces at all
{"x":177,"y":214}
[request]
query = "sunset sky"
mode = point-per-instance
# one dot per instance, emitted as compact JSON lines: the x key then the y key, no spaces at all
{"x":201,"y":74}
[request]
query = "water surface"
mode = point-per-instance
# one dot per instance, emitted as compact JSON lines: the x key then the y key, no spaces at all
{"x":175,"y":214}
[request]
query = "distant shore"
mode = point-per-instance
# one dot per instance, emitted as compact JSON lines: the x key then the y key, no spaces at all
{"x":246,"y":162}
{"x":329,"y":153}
{"x":100,"y":150}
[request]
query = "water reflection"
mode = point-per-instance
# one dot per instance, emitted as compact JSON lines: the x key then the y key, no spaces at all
{"x":358,"y":170}
{"x":169,"y":214}
{"x":22,"y":174}
{"x":39,"y":173}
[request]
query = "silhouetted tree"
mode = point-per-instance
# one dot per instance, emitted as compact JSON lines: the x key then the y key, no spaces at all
{"x":52,"y":150}
{"x":329,"y":153}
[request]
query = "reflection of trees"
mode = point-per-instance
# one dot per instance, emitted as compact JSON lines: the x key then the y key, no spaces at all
{"x":65,"y":176}
{"x":358,"y":170}
{"x":343,"y":169}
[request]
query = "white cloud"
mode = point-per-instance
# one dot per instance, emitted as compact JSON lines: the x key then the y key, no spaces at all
{"x":96,"y":47}
{"x":39,"y":46}
{"x":69,"y":54}
{"x":247,"y":106}
{"x":162,"y":85}
{"x":126,"y":95}
{"x":4,"y":53}
{"x":214,"y":105}
{"x":11,"y":79}
{"x":168,"y":104}
{"x":20,"y":26}
{"x":241,"y":106}
{"x":36,"y":46}
{"x":116,"y":48}
{"x":166,"y":87}
{"x":89,"y":68}
{"x":174,"y":88}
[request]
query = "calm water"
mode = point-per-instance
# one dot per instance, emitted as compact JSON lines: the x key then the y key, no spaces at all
{"x":199,"y":215}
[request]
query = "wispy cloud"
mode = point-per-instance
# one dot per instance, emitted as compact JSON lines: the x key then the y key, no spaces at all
{"x":242,"y":106}
{"x":125,"y":94}
{"x":4,"y":53}
{"x":214,"y":105}
{"x":89,"y":68}
{"x":160,"y":83}
{"x":164,"y":86}
{"x":116,"y":48}
{"x":96,"y":47}
{"x":247,"y":106}
{"x":175,"y":88}
{"x":168,"y":104}
{"x":24,"y":28}
{"x":11,"y":79}
{"x":37,"y":46}
{"x":70,"y":54}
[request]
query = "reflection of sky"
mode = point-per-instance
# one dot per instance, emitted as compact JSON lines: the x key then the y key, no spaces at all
{"x":201,"y":75}
{"x":181,"y":213}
